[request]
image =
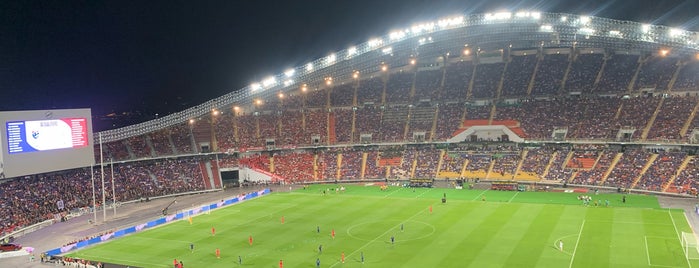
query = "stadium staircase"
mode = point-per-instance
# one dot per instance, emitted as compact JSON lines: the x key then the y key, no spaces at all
{"x":632,"y":83}
{"x":442,"y":153}
{"x":331,"y":129}
{"x":469,"y":91}
{"x":202,"y":132}
{"x":688,"y":123}
{"x":490,"y":169}
{"x":549,"y":164}
{"x":498,"y":91}
{"x":675,"y":75}
{"x":646,"y":129}
{"x":215,"y":175}
{"x":153,"y":178}
{"x":433,"y":129}
{"x":571,"y":59}
{"x":645,"y":168}
{"x":170,"y":142}
{"x":682,"y":167}
{"x":362,"y":170}
{"x":601,"y":70}
{"x":338,"y":172}
{"x":519,"y":165}
{"x":616,"y":159}
{"x":149,"y":143}
{"x":204,"y":175}
{"x":129,"y":150}
{"x":532,"y":81}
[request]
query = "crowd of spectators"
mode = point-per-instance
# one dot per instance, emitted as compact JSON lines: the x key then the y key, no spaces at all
{"x":627,"y":170}
{"x":518,"y":75}
{"x":487,"y":79}
{"x":671,"y":118}
{"x":656,"y":73}
{"x":448,"y":120}
{"x":688,"y":79}
{"x":162,"y":143}
{"x":550,"y":74}
{"x":661,"y":171}
{"x":343,"y":125}
{"x":343,"y":95}
{"x":427,"y":84}
{"x":370,"y":91}
{"x":393,"y":122}
{"x":456,"y":81}
{"x":594,"y":176}
{"x":139,"y":146}
{"x":687,"y":182}
{"x":583,"y":73}
{"x":317,"y":98}
{"x":618,"y":72}
{"x":557,"y":170}
{"x":372,"y":169}
{"x":399,"y":86}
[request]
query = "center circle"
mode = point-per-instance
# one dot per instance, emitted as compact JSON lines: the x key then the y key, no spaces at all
{"x":402,"y":231}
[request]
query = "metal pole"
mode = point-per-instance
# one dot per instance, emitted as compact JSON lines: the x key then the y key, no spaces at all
{"x":104,"y":198}
{"x":111,"y":163}
{"x":94,"y":201}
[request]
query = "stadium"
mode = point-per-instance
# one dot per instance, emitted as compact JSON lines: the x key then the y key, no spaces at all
{"x":516,"y":117}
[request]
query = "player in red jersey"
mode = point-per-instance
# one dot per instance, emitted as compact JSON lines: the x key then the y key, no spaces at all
{"x":250,"y":240}
{"x":281,"y":264}
{"x":332,"y":233}
{"x":213,"y":231}
{"x":218,"y":253}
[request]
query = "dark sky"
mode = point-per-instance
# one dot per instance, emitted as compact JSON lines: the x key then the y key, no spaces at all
{"x":164,"y":56}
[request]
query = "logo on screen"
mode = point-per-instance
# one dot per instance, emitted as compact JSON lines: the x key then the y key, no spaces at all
{"x":35,"y":134}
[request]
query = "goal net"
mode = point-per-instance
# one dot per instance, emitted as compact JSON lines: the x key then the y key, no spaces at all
{"x":689,"y":246}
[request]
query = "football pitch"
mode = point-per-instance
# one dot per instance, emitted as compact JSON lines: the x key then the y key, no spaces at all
{"x":507,"y":229}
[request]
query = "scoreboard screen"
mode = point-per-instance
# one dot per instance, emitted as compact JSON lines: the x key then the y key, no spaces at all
{"x":44,"y":141}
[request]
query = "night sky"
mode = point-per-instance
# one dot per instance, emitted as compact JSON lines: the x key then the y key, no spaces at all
{"x":153,"y":57}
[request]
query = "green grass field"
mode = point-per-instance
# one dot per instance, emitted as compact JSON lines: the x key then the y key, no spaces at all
{"x":509,"y":229}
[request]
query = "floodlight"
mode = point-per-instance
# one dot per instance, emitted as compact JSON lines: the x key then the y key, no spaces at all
{"x":674,"y":32}
{"x":387,"y":50}
{"x":645,"y":28}
{"x":412,"y":62}
{"x":664,"y":52}
{"x":467,"y":52}
{"x":281,"y":95}
{"x":564,"y":18}
{"x":384,"y":68}
{"x":255,"y":86}
{"x":332,"y":58}
{"x":288,"y":82}
{"x":396,"y":35}
{"x":236,"y":108}
{"x":304,"y":87}
{"x":355,"y":75}
{"x":351,"y":51}
{"x":585,"y":19}
{"x":191,"y":121}
{"x":375,"y":42}
{"x":309,"y":67}
{"x":328,"y":81}
{"x":546,"y":28}
{"x":615,"y":33}
{"x":269,"y":81}
{"x":289,"y":72}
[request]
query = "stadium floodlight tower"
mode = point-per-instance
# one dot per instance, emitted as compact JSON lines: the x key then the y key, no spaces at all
{"x":445,"y":37}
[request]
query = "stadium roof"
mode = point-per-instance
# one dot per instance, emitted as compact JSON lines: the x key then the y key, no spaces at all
{"x":444,"y":37}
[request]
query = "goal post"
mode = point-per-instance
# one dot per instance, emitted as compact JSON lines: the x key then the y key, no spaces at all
{"x":689,"y":246}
